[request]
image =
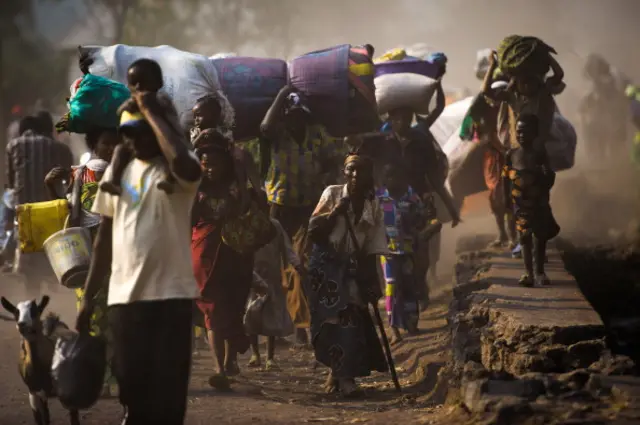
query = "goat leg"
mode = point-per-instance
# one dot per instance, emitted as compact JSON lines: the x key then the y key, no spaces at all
{"x":40,"y":409}
{"x":74,"y":417}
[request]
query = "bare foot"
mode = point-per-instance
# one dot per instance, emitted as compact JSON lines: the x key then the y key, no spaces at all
{"x":395,"y":336}
{"x":331,"y":385}
{"x":349,"y":388}
{"x":232,"y":369}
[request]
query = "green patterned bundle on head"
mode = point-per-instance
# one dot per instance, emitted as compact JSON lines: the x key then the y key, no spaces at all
{"x":94,"y":105}
{"x":524,"y":55}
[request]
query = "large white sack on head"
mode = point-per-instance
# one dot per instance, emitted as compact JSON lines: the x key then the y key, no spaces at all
{"x":450,"y":120}
{"x":187,"y":76}
{"x":404,"y":90}
{"x":223,"y":55}
{"x":561,"y":146}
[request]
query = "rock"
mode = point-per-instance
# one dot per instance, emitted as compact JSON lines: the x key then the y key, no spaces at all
{"x":613,"y":365}
{"x":578,"y":395}
{"x":575,"y":380}
{"x":555,"y":353}
{"x":511,"y":410}
{"x":472,"y":395}
{"x":598,"y":386}
{"x":474,"y":371}
{"x":528,"y":389}
{"x":584,"y":353}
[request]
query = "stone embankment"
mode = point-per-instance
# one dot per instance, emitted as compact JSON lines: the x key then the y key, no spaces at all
{"x":532,"y":355}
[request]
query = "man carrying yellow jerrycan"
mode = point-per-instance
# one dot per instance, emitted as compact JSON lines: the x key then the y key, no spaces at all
{"x":30,"y":157}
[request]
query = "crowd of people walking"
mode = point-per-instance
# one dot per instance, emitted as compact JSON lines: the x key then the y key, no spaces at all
{"x":294,"y":232}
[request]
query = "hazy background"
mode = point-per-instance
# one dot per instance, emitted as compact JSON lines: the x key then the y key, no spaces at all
{"x":38,"y":38}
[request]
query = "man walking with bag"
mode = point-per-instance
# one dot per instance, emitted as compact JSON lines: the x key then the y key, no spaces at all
{"x":144,"y":238}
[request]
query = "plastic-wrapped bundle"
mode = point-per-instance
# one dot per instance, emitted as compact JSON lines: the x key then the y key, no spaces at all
{"x":187,"y":76}
{"x":338,"y":82}
{"x":251,"y":85}
{"x":94,"y":103}
{"x":524,"y":55}
{"x":405,"y":84}
{"x":78,"y":367}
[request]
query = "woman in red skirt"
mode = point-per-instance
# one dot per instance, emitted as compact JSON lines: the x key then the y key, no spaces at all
{"x":224,"y":275}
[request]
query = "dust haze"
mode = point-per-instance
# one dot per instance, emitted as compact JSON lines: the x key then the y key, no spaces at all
{"x":584,"y":198}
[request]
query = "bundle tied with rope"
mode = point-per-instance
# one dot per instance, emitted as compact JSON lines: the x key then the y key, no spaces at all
{"x":524,"y":55}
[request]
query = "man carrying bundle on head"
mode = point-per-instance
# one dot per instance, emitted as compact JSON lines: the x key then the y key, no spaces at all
{"x":299,"y":152}
{"x":415,"y":148}
{"x":151,"y":290}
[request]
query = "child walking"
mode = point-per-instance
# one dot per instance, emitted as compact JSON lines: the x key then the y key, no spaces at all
{"x":270,"y":261}
{"x":531,"y":179}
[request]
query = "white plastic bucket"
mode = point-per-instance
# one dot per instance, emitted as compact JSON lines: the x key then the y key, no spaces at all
{"x":69,"y":252}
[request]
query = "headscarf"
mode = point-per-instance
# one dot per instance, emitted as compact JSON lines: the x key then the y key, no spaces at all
{"x":365,"y":162}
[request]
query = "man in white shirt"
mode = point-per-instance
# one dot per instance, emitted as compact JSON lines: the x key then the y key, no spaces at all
{"x":144,"y":238}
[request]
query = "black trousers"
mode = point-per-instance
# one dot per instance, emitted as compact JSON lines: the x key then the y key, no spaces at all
{"x":152,"y":359}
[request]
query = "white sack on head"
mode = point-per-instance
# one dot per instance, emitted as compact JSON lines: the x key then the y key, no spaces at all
{"x":223,"y":55}
{"x":187,"y":76}
{"x":404,"y":90}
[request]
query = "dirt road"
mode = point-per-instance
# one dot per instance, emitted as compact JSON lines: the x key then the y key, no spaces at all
{"x":290,"y":396}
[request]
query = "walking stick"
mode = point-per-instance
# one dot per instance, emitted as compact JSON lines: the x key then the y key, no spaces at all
{"x":378,"y":319}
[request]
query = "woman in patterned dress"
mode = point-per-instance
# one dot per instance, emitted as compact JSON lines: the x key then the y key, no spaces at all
{"x":343,"y":277}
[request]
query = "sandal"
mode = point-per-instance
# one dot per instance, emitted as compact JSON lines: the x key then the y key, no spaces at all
{"x":220,"y":382}
{"x":516,"y":252}
{"x":526,"y":281}
{"x":498,"y":243}
{"x":255,"y":362}
{"x":272,"y":365}
{"x":542,"y":280}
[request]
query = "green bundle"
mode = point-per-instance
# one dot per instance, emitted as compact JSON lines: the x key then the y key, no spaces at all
{"x":95,"y":104}
{"x":524,"y":55}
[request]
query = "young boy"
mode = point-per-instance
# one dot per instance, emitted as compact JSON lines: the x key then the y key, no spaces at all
{"x":144,"y":75}
{"x":408,"y":223}
{"x":531,"y":182}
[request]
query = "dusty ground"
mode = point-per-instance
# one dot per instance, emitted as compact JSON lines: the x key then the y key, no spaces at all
{"x":291,"y":396}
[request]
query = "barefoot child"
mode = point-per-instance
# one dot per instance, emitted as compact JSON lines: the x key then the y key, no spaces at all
{"x":143,"y":76}
{"x":531,"y":182}
{"x":407,"y":225}
{"x":269,"y":263}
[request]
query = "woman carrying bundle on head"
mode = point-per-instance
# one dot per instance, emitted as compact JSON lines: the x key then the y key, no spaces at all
{"x":347,"y":232}
{"x":223,"y":274}
{"x":524,"y":62}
